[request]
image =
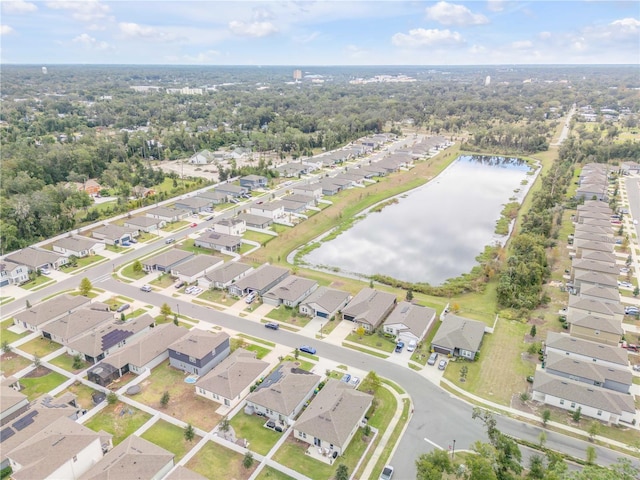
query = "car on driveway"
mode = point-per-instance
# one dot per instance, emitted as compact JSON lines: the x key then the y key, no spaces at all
{"x":442,"y":365}
{"x":411,"y":346}
{"x":354,"y":381}
{"x":180,"y":284}
{"x":307,"y":349}
{"x":432,"y":358}
{"x":636,"y":368}
{"x":272,"y":325}
{"x":123,"y":307}
{"x":399,"y":347}
{"x":346,"y":378}
{"x":146,"y":288}
{"x":387,"y":473}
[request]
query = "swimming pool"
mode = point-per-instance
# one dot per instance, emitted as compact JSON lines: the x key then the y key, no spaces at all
{"x":191,"y":379}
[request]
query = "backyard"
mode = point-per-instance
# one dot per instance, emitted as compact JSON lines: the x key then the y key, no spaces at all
{"x":13,"y":363}
{"x":119,"y":419}
{"x":83,"y":394}
{"x":215,"y":461}
{"x":40,"y":347}
{"x":251,"y":427}
{"x":65,"y":361}
{"x":39,"y":381}
{"x":170,"y":437}
{"x":7,"y":335}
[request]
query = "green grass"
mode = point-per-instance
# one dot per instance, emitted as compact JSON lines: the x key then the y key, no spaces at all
{"x":261,"y":238}
{"x":8,"y":336}
{"x":170,"y":437}
{"x":269,"y":473}
{"x":33,"y":387}
{"x":218,"y":296}
{"x":117,"y":248}
{"x":82,"y":393}
{"x":129,"y":273}
{"x":188,"y":245}
{"x":304,"y":365}
{"x":5,"y":300}
{"x":40,"y":347}
{"x":374,"y":341}
{"x":244,"y":248}
{"x":365,"y":350}
{"x":37,"y":283}
{"x":163,"y":281}
{"x":256,"y":339}
{"x":251,"y":427}
{"x":65,"y":361}
{"x":172,"y":227}
{"x":84,"y":262}
{"x":13,"y":363}
{"x":120,"y":426}
{"x":214,"y":461}
{"x":285,"y":314}
{"x":261,"y":352}
{"x":393,"y":385}
{"x":136,"y":313}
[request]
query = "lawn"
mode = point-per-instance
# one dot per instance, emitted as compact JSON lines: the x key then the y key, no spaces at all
{"x":40,"y":347}
{"x":163,"y":281}
{"x":269,"y":473}
{"x":6,"y":335}
{"x":374,"y":341}
{"x":129,"y":273}
{"x":251,"y":427}
{"x":39,"y":281}
{"x":308,"y":366}
{"x":117,"y":248}
{"x":83,"y":263}
{"x":172,"y":227}
{"x":218,"y":296}
{"x":261,"y":238}
{"x":256,"y":339}
{"x":82,"y":393}
{"x":136,"y":313}
{"x":65,"y":361}
{"x":214,"y":461}
{"x":261,"y":352}
{"x":13,"y":363}
{"x":286,"y":314}
{"x":184,"y":404}
{"x":40,"y":381}
{"x":189,"y":246}
{"x":170,"y":437}
{"x":119,"y":419}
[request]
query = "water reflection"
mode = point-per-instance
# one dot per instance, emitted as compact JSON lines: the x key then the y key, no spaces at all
{"x":434,"y":232}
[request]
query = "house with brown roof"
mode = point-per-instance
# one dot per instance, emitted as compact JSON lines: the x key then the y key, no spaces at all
{"x":134,"y":458}
{"x":283,"y":393}
{"x":325,"y":302}
{"x":223,"y":276}
{"x":458,"y":336}
{"x":230,"y":381}
{"x":579,"y":266}
{"x":71,"y":326}
{"x":290,"y":291}
{"x":199,"y":351}
{"x":596,"y":329}
{"x":369,"y":308}
{"x":259,"y":280}
{"x":39,"y":315}
{"x":409,"y":321}
{"x":594,"y":278}
{"x":332,"y":418}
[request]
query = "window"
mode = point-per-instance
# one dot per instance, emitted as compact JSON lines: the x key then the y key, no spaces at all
{"x":561,"y":402}
{"x":75,"y":458}
{"x":192,"y":360}
{"x":599,"y":413}
{"x":201,"y":390}
{"x":573,"y":404}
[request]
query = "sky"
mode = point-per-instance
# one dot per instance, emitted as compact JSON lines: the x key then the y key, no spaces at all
{"x":319,"y":32}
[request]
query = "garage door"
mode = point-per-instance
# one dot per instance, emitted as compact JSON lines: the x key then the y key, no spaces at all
{"x":321,"y":314}
{"x":441,"y":350}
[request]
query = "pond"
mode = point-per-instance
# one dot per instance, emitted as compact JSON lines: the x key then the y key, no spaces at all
{"x":436,"y":231}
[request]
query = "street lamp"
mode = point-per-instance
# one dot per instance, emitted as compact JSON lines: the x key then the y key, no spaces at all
{"x":178,"y":307}
{"x":453,"y":452}
{"x":321,"y":327}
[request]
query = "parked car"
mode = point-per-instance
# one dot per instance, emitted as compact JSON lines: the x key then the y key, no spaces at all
{"x":126,"y":244}
{"x":194,"y":224}
{"x":399,"y":347}
{"x":180,"y":284}
{"x":272,"y":325}
{"x":387,"y":473}
{"x":346,"y":378}
{"x":625,"y":284}
{"x":432,"y":358}
{"x":307,"y":349}
{"x":631,"y":310}
{"x":169,"y":240}
{"x":442,"y":365}
{"x":123,"y":307}
{"x":196,"y":291}
{"x":146,"y":288}
{"x":45,"y":271}
{"x":190,"y":289}
{"x":411,"y":346}
{"x":133,"y":240}
{"x":355,"y":381}
{"x":250,"y":298}
{"x":636,"y":368}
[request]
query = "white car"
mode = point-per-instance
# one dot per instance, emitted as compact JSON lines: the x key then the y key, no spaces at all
{"x":196,"y":291}
{"x":387,"y":473}
{"x":190,"y":289}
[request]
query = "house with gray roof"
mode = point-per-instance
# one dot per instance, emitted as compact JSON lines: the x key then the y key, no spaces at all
{"x":166,"y":261}
{"x":599,"y":256}
{"x":183,"y":473}
{"x":13,"y":274}
{"x":409,"y":321}
{"x":579,"y":306}
{"x":583,"y":247}
{"x":290,"y":291}
{"x":293,"y":207}
{"x":193,"y":204}
{"x":273,"y":210}
{"x":36,"y":259}
{"x":77,"y":246}
{"x":596,"y":329}
{"x":332,"y":418}
{"x":594,"y":278}
{"x":259,"y":280}
{"x":330,"y":188}
{"x":201,"y":158}
{"x":255,"y":221}
{"x":230,"y":226}
{"x":458,"y":336}
{"x":199,"y":351}
{"x":196,"y":267}
{"x":145,"y":224}
{"x":169,"y":215}
{"x":37,"y":316}
{"x":13,"y":403}
{"x":307,"y":200}
{"x":598,"y":353}
{"x":600,"y":222}
{"x":325,"y":302}
{"x":252,"y":182}
{"x":223,"y":276}
{"x":114,"y":234}
{"x":283,"y":393}
{"x":220,"y":242}
{"x":611,"y":378}
{"x":594,"y":402}
{"x":310,"y":189}
{"x":369,"y":308}
{"x":231,"y":190}
{"x":215,"y":198}
{"x":230,"y":381}
{"x":289,"y":170}
{"x":579,"y":266}
{"x":600,"y":293}
{"x":133,"y":458}
{"x":69,"y":327}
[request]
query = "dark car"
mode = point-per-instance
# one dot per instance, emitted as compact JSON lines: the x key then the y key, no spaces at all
{"x":272,"y":325}
{"x":399,"y":347}
{"x":307,"y":349}
{"x":123,"y":307}
{"x":432,"y":358}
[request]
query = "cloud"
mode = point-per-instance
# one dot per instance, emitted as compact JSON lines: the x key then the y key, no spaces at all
{"x":254,"y":29}
{"x":83,"y":11}
{"x":495,"y":5}
{"x":18,"y":7}
{"x":420,"y":37}
{"x":6,"y":30}
{"x":522,"y":44}
{"x":306,"y":38}
{"x":355,"y":52}
{"x":202,"y":57}
{"x":91,"y":43}
{"x":452,"y":14}
{"x":545,"y":35}
{"x":136,"y":30}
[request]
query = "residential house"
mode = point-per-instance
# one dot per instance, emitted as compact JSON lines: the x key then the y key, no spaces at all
{"x":219,"y":241}
{"x":329,"y":187}
{"x":597,"y":191}
{"x":252,"y":182}
{"x":214,"y":197}
{"x":183,"y":473}
{"x":166,"y":261}
{"x":295,"y":208}
{"x":585,"y":247}
{"x":140,"y":191}
{"x":409,"y":322}
{"x":579,"y":306}
{"x":630,"y":167}
{"x":145,"y":224}
{"x":231,"y":226}
{"x":597,"y":353}
{"x":596,"y":329}
{"x":290,"y":170}
{"x":114,"y":234}
{"x":601,"y":293}
{"x":199,"y":351}
{"x":617,"y":379}
{"x":458,"y":336}
{"x":36,"y":259}
{"x":369,"y":308}
{"x":39,"y":315}
{"x":260,"y":280}
{"x":144,"y":353}
{"x":579,"y":266}
{"x":105,"y":339}
{"x":225,"y":275}
{"x":332,"y":418}
{"x":373,"y":170}
{"x":133,"y":458}
{"x":594,"y":402}
{"x":13,"y":273}
{"x":255,"y":221}
{"x":77,"y":246}
{"x":203,"y":157}
{"x":325,"y":302}
{"x":606,"y":257}
{"x":193,"y":204}
{"x":71,"y":326}
{"x":594,"y":278}
{"x":290,"y":291}
{"x":272,"y":210}
{"x":230,"y":381}
{"x":168,"y":215}
{"x":307,"y":200}
{"x":14,"y":403}
{"x":283,"y":393}
{"x":231,"y":190}
{"x":196,"y":267}
{"x":311,"y":189}
{"x":92,"y":187}
{"x":63,"y":449}
{"x":597,"y":222}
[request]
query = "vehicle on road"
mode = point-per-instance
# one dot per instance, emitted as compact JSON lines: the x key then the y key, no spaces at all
{"x":194,"y":224}
{"x":146,"y":288}
{"x":399,"y":347}
{"x":442,"y":365}
{"x":272,"y":325}
{"x":169,"y":240}
{"x":432,"y":358}
{"x":123,"y":307}
{"x":387,"y":473}
{"x":307,"y":349}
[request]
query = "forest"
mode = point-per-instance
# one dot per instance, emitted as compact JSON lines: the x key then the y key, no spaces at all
{"x":77,"y":123}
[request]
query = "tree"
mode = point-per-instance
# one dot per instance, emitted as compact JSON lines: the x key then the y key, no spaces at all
{"x":432,"y":465}
{"x":37,"y":362}
{"x":463,"y":373}
{"x":409,"y":295}
{"x":536,"y":468}
{"x":342,"y":472}
{"x":533,"y":331}
{"x":594,"y":429}
{"x":592,"y":455}
{"x":164,"y":400}
{"x":636,"y":291}
{"x":189,"y":433}
{"x":577,"y":414}
{"x":165,"y":310}
{"x":6,"y":346}
{"x":85,"y":287}
{"x":546,"y":416}
{"x":175,"y":320}
{"x":78,"y":363}
{"x":123,"y":317}
{"x":112,"y":398}
{"x":224,"y":425}
{"x":247,"y":461}
{"x":371,"y":383}
{"x":360,"y":330}
{"x":296,"y":353}
{"x":137,"y":266}
{"x":525,"y":397}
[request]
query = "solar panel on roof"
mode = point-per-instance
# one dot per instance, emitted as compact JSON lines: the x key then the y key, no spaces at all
{"x":113,"y":338}
{"x":6,"y":433}
{"x":25,"y":421}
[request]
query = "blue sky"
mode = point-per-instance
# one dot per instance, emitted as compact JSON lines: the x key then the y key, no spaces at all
{"x":319,"y":32}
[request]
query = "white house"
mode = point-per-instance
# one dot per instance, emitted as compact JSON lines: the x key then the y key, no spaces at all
{"x":290,"y":291}
{"x":77,"y":246}
{"x":231,"y":226}
{"x":13,"y":273}
{"x":272,"y":210}
{"x":196,"y":267}
{"x":409,"y":322}
{"x":325,"y":302}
